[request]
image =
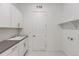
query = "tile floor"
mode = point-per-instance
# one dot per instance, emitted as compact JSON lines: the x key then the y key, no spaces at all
{"x":47,"y":53}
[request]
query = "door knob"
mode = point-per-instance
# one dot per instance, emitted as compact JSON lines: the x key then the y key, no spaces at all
{"x":34,"y":35}
{"x":70,"y":38}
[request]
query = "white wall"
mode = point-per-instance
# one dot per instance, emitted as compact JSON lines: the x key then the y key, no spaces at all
{"x":71,"y":11}
{"x":53,"y":16}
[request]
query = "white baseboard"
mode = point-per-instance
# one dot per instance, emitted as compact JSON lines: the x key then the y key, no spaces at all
{"x":45,"y":50}
{"x":68,"y":54}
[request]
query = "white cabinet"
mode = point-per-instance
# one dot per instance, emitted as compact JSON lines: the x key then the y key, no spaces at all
{"x":5,"y":20}
{"x":10,"y":16}
{"x":14,"y":51}
{"x":22,"y":48}
{"x":16,"y":17}
{"x":27,"y":44}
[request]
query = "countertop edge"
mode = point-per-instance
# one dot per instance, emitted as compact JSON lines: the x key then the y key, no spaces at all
{"x":13,"y":44}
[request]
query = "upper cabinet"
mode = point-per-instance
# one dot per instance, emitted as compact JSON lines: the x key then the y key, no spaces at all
{"x":5,"y":20}
{"x":17,"y":17}
{"x":70,"y":12}
{"x":10,"y":16}
{"x":70,"y":16}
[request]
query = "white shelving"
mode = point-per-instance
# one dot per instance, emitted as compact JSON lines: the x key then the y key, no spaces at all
{"x":71,"y":24}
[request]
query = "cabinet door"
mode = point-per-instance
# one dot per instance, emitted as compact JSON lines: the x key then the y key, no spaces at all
{"x":27,"y":44}
{"x":5,"y":15}
{"x":21,"y":48}
{"x":16,"y":16}
{"x":20,"y":20}
{"x":14,"y":51}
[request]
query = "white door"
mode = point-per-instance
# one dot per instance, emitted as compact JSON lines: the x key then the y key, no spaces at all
{"x":39,"y":27}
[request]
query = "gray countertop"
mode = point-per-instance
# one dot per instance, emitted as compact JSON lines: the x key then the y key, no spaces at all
{"x":6,"y":44}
